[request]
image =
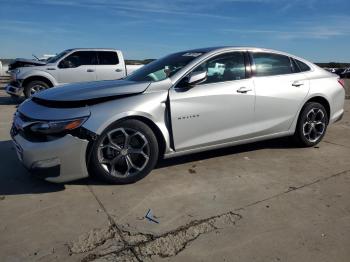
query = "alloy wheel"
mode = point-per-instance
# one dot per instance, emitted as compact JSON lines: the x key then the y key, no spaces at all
{"x":123,"y":152}
{"x":37,"y":88}
{"x":314,"y":125}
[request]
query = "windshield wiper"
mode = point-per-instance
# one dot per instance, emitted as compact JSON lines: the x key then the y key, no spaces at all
{"x":35,"y":57}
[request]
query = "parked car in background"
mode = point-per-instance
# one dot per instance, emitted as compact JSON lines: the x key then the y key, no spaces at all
{"x":186,"y":102}
{"x":345,"y":73}
{"x":70,"y":66}
{"x":338,"y":71}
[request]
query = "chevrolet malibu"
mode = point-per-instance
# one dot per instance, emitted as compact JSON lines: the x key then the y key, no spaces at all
{"x":183,"y":103}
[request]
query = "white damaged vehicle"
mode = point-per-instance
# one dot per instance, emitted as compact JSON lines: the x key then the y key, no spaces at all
{"x":70,"y":66}
{"x":186,"y":102}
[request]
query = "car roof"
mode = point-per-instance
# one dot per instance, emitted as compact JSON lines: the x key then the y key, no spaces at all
{"x":219,"y":49}
{"x":224,"y":48}
{"x":209,"y":51}
{"x":92,"y":49}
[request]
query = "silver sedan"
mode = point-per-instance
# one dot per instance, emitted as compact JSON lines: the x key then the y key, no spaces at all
{"x":183,"y":103}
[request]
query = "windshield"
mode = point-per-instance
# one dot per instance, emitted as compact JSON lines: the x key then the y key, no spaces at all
{"x":162,"y":68}
{"x":54,"y":59}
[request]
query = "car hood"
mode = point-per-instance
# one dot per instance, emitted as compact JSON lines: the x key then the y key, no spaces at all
{"x":22,"y":62}
{"x":89,"y":92}
{"x":30,"y":61}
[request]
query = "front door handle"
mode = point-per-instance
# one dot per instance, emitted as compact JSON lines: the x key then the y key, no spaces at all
{"x":243,"y":90}
{"x":50,"y":68}
{"x":118,"y":70}
{"x":90,"y":70}
{"x":297,"y":83}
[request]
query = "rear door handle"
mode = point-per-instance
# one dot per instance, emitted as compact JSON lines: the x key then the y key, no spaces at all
{"x":90,"y":70}
{"x":297,"y":83}
{"x":118,"y":70}
{"x":243,"y":90}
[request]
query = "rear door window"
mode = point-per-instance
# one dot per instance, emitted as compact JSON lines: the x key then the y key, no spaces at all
{"x":108,"y":58}
{"x":269,"y":64}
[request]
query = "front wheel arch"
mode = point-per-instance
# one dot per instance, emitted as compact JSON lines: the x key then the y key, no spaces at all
{"x":92,"y":152}
{"x":156,"y":130}
{"x":37,"y":78}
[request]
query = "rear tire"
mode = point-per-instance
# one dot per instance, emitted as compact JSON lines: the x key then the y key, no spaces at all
{"x":312,"y":125}
{"x":124,"y":153}
{"x":34,"y":87}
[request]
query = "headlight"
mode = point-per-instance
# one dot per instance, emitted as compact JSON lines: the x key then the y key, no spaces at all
{"x":55,"y":127}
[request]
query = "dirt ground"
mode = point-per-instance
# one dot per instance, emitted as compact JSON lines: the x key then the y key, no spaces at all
{"x":267,"y":201}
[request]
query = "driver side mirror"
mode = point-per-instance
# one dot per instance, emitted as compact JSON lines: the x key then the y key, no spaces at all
{"x":196,"y":78}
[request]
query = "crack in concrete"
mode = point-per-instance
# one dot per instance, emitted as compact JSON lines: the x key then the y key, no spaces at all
{"x":294,"y":188}
{"x":116,"y":244}
{"x":113,"y":224}
{"x":108,"y":245}
{"x":336,"y":144}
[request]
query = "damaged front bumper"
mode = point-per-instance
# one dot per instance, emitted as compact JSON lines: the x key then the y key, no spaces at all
{"x":59,"y":160}
{"x":14,"y":88}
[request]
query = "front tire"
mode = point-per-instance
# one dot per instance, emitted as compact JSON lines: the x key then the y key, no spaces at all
{"x":33,"y":87}
{"x":312,"y":125}
{"x":126,"y":152}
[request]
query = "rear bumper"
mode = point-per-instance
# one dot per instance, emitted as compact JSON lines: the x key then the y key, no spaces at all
{"x":337,"y":117}
{"x":60,"y":160}
{"x":14,"y":89}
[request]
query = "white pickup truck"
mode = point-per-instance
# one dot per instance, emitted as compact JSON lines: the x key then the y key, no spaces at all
{"x":69,"y":66}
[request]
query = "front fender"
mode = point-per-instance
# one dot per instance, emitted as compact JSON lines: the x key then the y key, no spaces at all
{"x":151,"y":106}
{"x":36,"y":73}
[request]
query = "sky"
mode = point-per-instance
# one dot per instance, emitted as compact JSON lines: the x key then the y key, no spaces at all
{"x":318,"y":30}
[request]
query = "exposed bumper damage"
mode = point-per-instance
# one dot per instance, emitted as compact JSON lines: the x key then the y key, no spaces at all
{"x":14,"y":88}
{"x":60,"y":160}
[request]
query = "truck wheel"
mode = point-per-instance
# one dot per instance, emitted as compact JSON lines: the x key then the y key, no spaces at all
{"x":34,"y":87}
{"x":125,"y":152}
{"x":312,"y":125}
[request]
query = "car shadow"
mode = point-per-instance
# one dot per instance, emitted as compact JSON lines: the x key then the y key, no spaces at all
{"x":278,"y":143}
{"x":8,"y":100}
{"x":16,"y":180}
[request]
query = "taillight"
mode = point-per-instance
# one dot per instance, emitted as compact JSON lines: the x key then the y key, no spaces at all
{"x":342,"y":82}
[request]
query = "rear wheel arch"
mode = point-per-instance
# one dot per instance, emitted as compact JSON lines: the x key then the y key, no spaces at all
{"x":309,"y":131}
{"x":321,"y":100}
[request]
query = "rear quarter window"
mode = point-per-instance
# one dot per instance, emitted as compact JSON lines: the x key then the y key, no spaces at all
{"x":302,"y":66}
